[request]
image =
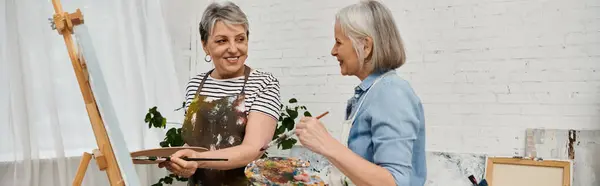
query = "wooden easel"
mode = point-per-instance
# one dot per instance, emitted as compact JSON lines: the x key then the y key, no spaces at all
{"x":64,"y":22}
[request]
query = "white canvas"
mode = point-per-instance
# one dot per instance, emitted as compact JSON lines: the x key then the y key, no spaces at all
{"x":104,"y":102}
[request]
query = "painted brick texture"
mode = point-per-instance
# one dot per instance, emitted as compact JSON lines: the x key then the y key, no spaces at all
{"x":485,"y":70}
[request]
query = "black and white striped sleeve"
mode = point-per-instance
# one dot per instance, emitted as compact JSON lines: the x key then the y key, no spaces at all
{"x":268,"y":100}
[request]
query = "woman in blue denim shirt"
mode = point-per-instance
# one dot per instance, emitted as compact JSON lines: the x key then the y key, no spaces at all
{"x":386,"y":131}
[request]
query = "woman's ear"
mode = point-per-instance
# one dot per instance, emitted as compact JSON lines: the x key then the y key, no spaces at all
{"x":204,"y":47}
{"x":368,"y":47}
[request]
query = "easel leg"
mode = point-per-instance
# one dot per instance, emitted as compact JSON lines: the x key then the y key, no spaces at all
{"x":83,"y":164}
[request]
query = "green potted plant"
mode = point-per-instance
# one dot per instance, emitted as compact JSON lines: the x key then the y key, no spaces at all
{"x":173,"y":138}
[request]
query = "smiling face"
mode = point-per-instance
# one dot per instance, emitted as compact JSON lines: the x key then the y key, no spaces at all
{"x":347,"y":56}
{"x":227,"y":45}
{"x":344,"y":52}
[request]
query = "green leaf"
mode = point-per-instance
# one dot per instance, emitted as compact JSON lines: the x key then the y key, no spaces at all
{"x":288,"y":123}
{"x":279,"y":130}
{"x":288,"y":143}
{"x":181,"y":179}
{"x":174,"y":138}
{"x":293,"y":114}
{"x":172,"y":131}
{"x":154,"y":121}
{"x":164,"y":123}
{"x":293,"y":100}
{"x":303,"y":107}
{"x":177,"y":142}
{"x":168,"y":180}
{"x":164,"y":144}
{"x":148,"y":117}
{"x":171,"y":135}
{"x":307,"y":114}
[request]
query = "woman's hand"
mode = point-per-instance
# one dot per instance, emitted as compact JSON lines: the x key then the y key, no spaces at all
{"x":179,"y":166}
{"x":313,"y":135}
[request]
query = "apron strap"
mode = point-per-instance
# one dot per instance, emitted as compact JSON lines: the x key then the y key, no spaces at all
{"x":202,"y":82}
{"x":347,"y":125}
{"x":365,"y":95}
{"x":247,"y":71}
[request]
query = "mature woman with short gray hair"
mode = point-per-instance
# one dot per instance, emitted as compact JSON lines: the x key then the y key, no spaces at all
{"x":231,"y":110}
{"x":383,"y":138}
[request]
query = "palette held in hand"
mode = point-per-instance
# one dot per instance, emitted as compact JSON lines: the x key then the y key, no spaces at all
{"x":281,"y":171}
{"x":158,"y":155}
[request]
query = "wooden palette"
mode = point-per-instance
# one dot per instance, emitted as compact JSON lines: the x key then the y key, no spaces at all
{"x":160,"y":152}
{"x":280,"y":171}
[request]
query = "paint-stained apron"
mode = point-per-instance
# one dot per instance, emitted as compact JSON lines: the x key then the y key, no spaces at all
{"x":215,"y":124}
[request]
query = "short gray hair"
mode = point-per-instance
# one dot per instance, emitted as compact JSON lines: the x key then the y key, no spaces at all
{"x":227,"y":12}
{"x":372,"y":19}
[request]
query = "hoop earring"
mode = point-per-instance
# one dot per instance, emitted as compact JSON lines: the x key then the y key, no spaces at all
{"x":207,"y":60}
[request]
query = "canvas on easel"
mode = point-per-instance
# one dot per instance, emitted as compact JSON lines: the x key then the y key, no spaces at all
{"x":502,"y":171}
{"x":112,"y":155}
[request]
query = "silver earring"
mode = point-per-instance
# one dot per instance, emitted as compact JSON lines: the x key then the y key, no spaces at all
{"x":207,"y":58}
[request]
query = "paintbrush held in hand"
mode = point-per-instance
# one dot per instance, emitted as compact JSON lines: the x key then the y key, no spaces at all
{"x":154,"y":158}
{"x":286,"y":135}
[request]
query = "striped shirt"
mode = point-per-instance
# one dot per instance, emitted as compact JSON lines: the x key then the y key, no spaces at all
{"x":262,"y":91}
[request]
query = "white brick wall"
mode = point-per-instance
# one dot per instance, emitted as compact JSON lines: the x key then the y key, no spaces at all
{"x":485,"y":70}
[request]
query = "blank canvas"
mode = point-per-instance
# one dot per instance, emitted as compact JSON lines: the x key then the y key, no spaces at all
{"x":523,"y":172}
{"x":103,"y":99}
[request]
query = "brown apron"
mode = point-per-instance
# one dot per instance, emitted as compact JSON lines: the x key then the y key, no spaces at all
{"x":216,"y":124}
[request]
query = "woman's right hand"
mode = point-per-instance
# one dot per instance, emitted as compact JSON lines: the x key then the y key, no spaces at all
{"x":164,"y":164}
{"x":181,"y":167}
{"x":313,"y":135}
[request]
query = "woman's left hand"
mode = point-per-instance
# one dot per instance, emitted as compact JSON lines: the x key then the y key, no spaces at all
{"x":179,"y":166}
{"x":313,"y":135}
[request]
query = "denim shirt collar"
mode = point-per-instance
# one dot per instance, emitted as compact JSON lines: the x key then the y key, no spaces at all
{"x":360,"y":89}
{"x":368,"y":82}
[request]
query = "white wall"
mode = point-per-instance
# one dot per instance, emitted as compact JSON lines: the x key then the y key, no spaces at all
{"x":485,"y":70}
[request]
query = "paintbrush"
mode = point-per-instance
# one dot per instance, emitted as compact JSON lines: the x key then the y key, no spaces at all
{"x":154,"y":158}
{"x":287,"y":135}
{"x":473,"y":180}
